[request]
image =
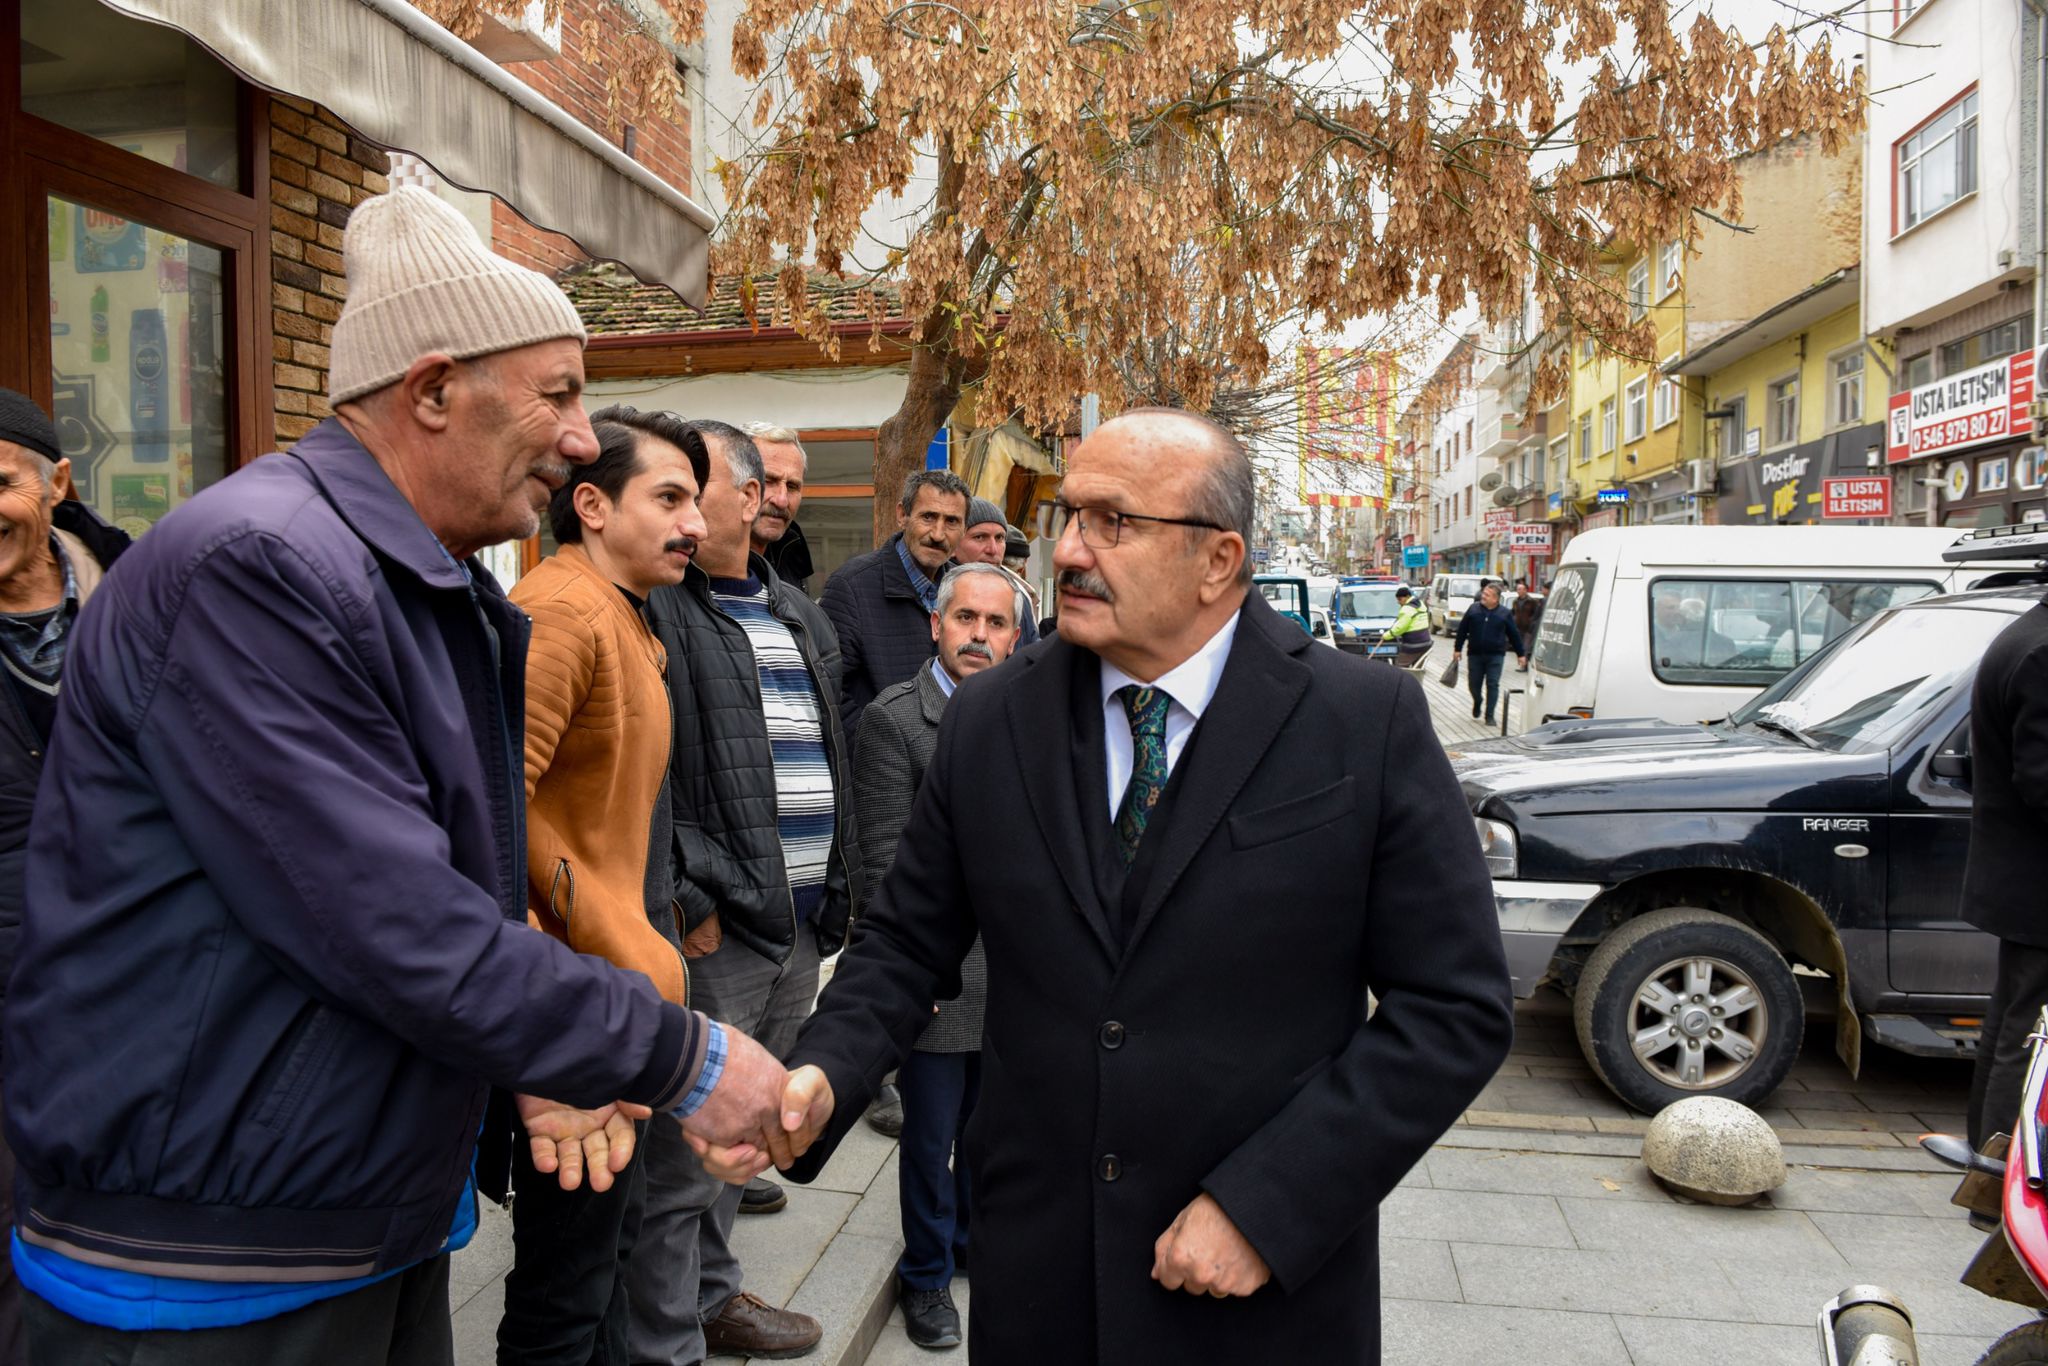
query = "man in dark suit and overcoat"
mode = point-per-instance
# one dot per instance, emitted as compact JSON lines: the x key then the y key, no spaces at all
{"x":1220,"y":839}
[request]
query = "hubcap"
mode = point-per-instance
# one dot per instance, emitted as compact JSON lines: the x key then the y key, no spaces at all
{"x":1697,"y":1023}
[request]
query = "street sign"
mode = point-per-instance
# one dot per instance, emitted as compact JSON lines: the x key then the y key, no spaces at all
{"x":1851,"y":498}
{"x":1529,"y":538}
{"x":1498,"y":520}
{"x":1261,"y":556}
{"x":1610,"y":495}
{"x":1970,"y":408}
{"x":1415,"y":556}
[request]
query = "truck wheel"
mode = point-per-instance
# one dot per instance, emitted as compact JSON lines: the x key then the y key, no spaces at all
{"x":1684,"y":1002}
{"x":2026,"y":1345}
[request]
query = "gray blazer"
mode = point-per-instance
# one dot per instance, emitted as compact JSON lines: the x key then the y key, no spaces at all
{"x":898,"y":731}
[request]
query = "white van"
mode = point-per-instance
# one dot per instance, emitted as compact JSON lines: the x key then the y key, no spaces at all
{"x":1451,"y":596}
{"x":1686,"y":623}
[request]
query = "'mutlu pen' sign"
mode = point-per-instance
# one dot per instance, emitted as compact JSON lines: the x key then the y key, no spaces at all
{"x":1983,"y":404}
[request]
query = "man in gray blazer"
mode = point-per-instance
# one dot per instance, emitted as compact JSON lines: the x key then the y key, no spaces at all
{"x":979,"y":612}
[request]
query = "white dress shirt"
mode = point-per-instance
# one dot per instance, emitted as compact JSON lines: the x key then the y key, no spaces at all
{"x":1191,"y":684}
{"x":946,"y":683}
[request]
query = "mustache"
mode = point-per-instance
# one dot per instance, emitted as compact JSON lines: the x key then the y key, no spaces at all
{"x":769,"y":509}
{"x":979,"y":649}
{"x":555,"y":473}
{"x":1087,"y":584}
{"x":686,"y":545}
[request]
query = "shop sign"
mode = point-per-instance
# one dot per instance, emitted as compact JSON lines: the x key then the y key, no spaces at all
{"x":1982,"y":404}
{"x":1958,"y":480}
{"x":1529,"y":538}
{"x":1850,"y":498}
{"x":1498,"y":520}
{"x":1415,"y":556}
{"x":1606,"y":496}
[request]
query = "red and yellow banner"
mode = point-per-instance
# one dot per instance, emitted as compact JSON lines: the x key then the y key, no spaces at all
{"x":1345,"y":402}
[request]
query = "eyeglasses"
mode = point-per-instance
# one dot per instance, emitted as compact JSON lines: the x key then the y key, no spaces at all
{"x":1101,"y":529}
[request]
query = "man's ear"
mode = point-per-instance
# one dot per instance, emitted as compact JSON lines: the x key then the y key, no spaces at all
{"x":423,"y":390}
{"x":750,"y":497}
{"x":1221,"y":565}
{"x":935,"y":628}
{"x":592,"y":507}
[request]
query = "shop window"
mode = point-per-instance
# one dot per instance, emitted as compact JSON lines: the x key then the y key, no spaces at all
{"x":1637,"y":407}
{"x":138,"y":358}
{"x":1937,"y":163}
{"x":1845,"y":388}
{"x":141,"y":87}
{"x":1607,"y":426}
{"x":1782,"y":408}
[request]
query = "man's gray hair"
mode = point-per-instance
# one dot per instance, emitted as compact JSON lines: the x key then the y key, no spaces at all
{"x":1021,"y":601}
{"x":941,"y":481}
{"x":781,"y":436}
{"x":742,"y":456}
{"x":1225,"y":493}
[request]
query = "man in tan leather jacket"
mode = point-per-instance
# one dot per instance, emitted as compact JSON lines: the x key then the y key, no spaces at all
{"x":598,"y":869}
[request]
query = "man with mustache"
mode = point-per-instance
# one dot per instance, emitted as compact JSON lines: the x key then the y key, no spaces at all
{"x":274,"y":952}
{"x":975,"y":626}
{"x":598,"y":874}
{"x":763,"y":858}
{"x":777,"y":537}
{"x":1219,"y":842}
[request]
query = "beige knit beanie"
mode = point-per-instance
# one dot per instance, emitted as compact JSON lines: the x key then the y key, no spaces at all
{"x":420,"y":282}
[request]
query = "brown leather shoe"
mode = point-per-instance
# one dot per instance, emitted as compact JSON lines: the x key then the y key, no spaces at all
{"x":749,"y":1326}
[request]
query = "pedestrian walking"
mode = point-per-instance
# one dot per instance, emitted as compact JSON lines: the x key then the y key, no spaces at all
{"x":2008,"y":824}
{"x":1218,"y":841}
{"x":975,"y":626}
{"x":763,"y":847}
{"x":777,"y":536}
{"x":597,"y":740}
{"x":274,"y":946}
{"x":53,"y":557}
{"x":1489,"y":628}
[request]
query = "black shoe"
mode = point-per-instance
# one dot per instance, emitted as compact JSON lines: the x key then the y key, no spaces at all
{"x":762,"y":1197}
{"x":1489,"y":720}
{"x":1475,"y":711}
{"x":930,"y":1319}
{"x":885,"y":1116}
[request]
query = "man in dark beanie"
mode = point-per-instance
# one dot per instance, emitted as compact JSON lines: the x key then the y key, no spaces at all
{"x":52,"y":553}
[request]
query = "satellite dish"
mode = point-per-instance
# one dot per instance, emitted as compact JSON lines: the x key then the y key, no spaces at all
{"x":1489,"y":481}
{"x":1506,"y":497}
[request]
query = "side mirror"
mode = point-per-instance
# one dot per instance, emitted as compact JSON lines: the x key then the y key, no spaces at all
{"x":1952,"y":764}
{"x":1322,"y":627}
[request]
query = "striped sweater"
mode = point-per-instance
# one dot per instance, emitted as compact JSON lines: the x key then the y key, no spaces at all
{"x":796,"y":735}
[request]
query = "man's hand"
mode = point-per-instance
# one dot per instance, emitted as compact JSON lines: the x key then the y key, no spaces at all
{"x":705,"y":940}
{"x":735,"y":1166}
{"x":1204,"y":1254}
{"x":568,"y":1142}
{"x":746,"y":1105}
{"x":806,"y":1110}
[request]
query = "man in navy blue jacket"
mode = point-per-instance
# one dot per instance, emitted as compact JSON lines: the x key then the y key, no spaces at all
{"x":274,"y":950}
{"x":1490,"y":628}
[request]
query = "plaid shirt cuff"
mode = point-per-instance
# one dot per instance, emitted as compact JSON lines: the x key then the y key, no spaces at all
{"x":707,"y":1078}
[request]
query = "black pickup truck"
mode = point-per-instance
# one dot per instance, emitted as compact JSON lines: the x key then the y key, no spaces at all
{"x":1679,"y":881}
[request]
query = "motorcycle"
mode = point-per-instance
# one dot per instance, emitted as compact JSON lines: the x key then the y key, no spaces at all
{"x":2005,"y":1189}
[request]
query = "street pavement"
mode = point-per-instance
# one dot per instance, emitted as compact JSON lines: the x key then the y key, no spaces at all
{"x":1531,"y":1233}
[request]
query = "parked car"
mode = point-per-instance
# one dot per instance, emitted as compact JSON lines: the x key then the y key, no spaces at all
{"x":1688,"y":623}
{"x":1685,"y":883}
{"x":1319,"y":626}
{"x":1365,"y":611}
{"x":1288,"y":593}
{"x":1450,"y":597}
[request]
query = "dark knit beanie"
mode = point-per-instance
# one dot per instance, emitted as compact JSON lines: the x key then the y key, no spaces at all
{"x":981,"y":510}
{"x":26,"y":424}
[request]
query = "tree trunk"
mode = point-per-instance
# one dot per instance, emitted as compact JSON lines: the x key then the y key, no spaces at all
{"x":900,"y":442}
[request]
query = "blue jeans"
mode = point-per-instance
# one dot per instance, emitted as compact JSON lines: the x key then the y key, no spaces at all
{"x":939,"y":1091}
{"x":1482,"y":672}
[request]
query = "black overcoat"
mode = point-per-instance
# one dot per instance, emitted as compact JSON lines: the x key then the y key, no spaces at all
{"x":1315,"y":847}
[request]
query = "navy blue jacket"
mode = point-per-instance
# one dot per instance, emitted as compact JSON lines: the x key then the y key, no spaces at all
{"x":1490,"y":632}
{"x":275,"y":944}
{"x":885,"y":631}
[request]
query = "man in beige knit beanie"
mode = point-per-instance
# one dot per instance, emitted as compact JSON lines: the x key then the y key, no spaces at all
{"x":274,"y":953}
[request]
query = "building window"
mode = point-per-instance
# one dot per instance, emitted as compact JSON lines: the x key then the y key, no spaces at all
{"x":1560,"y":459}
{"x":1639,"y":287}
{"x":1670,"y":267}
{"x":1782,"y":407}
{"x":1937,"y":163}
{"x":1585,"y":437}
{"x":1607,"y":426}
{"x":1981,"y":348}
{"x":1637,"y":407}
{"x":1586,"y":349}
{"x":1468,"y":502}
{"x":1664,"y":411}
{"x":1915,"y":371}
{"x":1845,"y":388}
{"x":1731,"y":443}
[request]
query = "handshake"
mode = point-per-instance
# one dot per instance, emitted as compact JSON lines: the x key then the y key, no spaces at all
{"x":758,"y":1115}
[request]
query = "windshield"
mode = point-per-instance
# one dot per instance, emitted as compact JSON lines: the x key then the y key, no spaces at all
{"x":1369,"y":602}
{"x":1323,"y":595}
{"x":1878,"y":682}
{"x":1463,"y":586}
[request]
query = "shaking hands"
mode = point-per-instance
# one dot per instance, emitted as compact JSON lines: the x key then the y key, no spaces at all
{"x":758,"y":1115}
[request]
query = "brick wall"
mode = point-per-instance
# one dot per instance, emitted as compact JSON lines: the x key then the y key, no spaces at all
{"x":319,"y":170}
{"x":577,"y":84}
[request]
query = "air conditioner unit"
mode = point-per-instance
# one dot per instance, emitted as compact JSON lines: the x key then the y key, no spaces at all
{"x":1701,"y":474}
{"x":1569,"y":491}
{"x":1506,"y":497}
{"x":1489,"y":481}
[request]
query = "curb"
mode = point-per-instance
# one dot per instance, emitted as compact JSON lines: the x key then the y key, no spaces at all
{"x":1879,"y":1152}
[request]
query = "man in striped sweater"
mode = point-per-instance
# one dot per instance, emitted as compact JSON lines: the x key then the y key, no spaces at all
{"x":757,"y":781}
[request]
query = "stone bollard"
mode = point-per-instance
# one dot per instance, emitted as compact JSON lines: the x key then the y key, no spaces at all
{"x":1714,"y":1150}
